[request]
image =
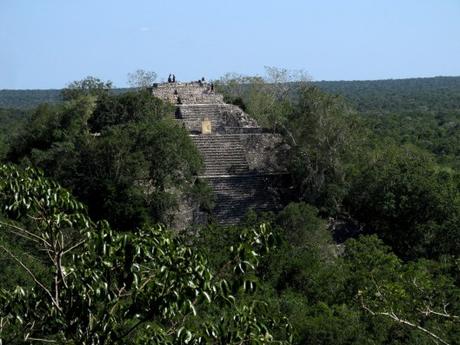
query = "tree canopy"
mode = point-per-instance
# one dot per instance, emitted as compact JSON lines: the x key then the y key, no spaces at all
{"x":365,"y":249}
{"x":122,"y":155}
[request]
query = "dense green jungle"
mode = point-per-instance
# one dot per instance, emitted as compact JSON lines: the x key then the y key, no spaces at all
{"x":365,"y":251}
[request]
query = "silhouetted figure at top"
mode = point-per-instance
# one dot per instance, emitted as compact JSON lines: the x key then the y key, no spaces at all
{"x":200,"y":82}
{"x":174,"y":78}
{"x":212,"y":87}
{"x":202,"y":79}
{"x":169,"y":78}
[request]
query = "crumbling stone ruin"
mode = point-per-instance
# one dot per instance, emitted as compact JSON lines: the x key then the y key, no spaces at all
{"x":240,"y":159}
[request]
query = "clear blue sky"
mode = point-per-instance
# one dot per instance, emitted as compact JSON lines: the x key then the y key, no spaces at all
{"x":48,"y":43}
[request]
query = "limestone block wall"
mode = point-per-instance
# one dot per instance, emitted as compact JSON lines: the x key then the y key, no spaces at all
{"x":264,"y":152}
{"x":189,"y":93}
{"x":241,"y":153}
{"x":224,"y":118}
{"x":237,"y":194}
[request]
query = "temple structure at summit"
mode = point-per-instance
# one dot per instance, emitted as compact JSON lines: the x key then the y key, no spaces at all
{"x":241,"y":163}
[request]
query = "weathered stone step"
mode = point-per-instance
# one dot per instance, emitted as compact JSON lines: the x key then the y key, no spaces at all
{"x":223,"y":117}
{"x":222,"y":154}
{"x":236,"y":195}
{"x":217,"y":137}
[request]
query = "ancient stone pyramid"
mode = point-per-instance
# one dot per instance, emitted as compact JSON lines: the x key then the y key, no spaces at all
{"x":240,"y":158}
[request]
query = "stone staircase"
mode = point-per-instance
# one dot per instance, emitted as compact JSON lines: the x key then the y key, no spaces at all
{"x":225,"y":118}
{"x":191,"y":115}
{"x":236,"y":195}
{"x":188,"y":93}
{"x":226,"y":152}
{"x":222,"y":154}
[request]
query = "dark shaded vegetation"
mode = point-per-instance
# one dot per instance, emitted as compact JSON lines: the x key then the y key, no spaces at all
{"x":344,"y":295}
{"x":96,"y":286}
{"x":381,"y":156}
{"x":28,"y":99}
{"x":121,"y":155}
{"x":423,"y":111}
{"x":385,"y":163}
{"x":440,"y":94}
{"x":11,"y":121}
